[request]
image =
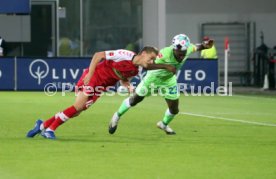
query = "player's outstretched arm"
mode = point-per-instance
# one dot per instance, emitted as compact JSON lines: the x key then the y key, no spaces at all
{"x":97,"y":57}
{"x":205,"y":45}
{"x":161,"y":66}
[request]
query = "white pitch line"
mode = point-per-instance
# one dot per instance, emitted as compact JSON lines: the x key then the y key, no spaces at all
{"x":229,"y":119}
{"x":254,"y":97}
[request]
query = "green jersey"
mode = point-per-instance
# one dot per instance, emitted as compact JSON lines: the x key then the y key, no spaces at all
{"x":162,"y":79}
{"x":166,"y":57}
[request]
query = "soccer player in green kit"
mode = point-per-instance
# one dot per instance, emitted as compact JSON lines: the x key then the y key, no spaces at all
{"x":175,"y":55}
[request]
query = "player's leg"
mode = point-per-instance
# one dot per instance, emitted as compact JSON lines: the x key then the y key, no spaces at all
{"x":169,"y":116}
{"x":171,"y":111}
{"x":44,"y":125}
{"x":70,"y":112}
{"x":125,"y":106}
{"x":80,"y":104}
{"x":141,"y":91}
{"x":51,"y":124}
{"x":128,"y":103}
{"x":171,"y":95}
{"x":83,"y":100}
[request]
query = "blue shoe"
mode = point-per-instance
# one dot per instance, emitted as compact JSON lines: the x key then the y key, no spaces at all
{"x":48,"y":135}
{"x":36,"y":130}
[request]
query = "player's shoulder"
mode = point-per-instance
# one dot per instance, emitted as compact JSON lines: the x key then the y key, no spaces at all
{"x":120,"y":53}
{"x":166,"y":49}
{"x":165,"y":52}
{"x":125,"y":51}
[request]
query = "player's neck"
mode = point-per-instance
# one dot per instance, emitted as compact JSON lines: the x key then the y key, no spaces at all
{"x":136,"y":60}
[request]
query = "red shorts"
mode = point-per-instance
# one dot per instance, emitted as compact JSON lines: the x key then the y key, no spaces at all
{"x":97,"y":84}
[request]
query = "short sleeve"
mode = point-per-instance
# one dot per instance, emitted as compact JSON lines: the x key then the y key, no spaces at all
{"x":119,"y":55}
{"x":162,"y":56}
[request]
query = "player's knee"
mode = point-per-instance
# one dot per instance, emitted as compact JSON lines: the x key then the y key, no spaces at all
{"x":83,"y":106}
{"x":174,"y":111}
{"x":87,"y":105}
{"x":134,"y":100}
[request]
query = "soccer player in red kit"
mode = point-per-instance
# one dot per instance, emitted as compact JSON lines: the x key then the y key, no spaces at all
{"x":105,"y":70}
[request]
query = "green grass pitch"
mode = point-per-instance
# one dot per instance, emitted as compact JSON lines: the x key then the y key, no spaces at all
{"x":222,"y":143}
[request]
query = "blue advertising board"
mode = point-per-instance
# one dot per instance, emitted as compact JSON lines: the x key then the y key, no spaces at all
{"x":63,"y":73}
{"x":15,"y":6}
{"x":36,"y":74}
{"x":7,"y":74}
{"x":198,"y":75}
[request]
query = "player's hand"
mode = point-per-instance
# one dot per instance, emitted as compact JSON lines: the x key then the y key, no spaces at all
{"x":208,"y":43}
{"x":130,"y":88}
{"x":128,"y":85}
{"x":171,"y":68}
{"x":86,"y":79}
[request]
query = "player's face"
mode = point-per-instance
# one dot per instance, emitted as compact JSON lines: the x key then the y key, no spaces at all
{"x":179,"y":55}
{"x":148,"y":58}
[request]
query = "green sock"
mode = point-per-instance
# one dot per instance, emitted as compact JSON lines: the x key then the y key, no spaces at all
{"x":124,"y":107}
{"x":168,"y":117}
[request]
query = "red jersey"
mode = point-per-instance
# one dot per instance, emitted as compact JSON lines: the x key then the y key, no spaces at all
{"x":116,"y":66}
{"x":120,"y":63}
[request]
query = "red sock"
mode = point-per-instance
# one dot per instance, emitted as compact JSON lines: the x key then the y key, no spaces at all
{"x":62,"y":117}
{"x":55,"y":124}
{"x":48,"y":122}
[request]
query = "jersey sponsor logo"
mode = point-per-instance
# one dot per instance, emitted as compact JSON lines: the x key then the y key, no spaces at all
{"x":124,"y":52}
{"x":167,"y":60}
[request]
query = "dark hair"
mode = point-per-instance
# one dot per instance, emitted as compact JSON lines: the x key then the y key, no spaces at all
{"x":150,"y":49}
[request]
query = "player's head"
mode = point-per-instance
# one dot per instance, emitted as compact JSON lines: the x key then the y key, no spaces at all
{"x":147,"y":55}
{"x":180,"y":44}
{"x":149,"y":49}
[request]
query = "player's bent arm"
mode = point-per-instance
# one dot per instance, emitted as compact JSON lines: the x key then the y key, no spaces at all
{"x":97,"y":57}
{"x":127,"y":84}
{"x":204,"y":45}
{"x":161,"y":66}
